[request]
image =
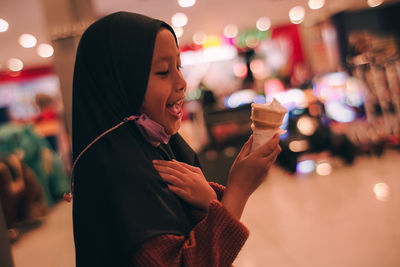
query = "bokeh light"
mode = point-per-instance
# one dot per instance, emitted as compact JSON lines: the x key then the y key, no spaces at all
{"x":15,"y":64}
{"x":212,"y":40}
{"x":230,"y":151}
{"x":339,"y":111}
{"x":305,"y":166}
{"x":381,"y":191}
{"x":45,"y":50}
{"x":199,"y":37}
{"x":296,"y":14}
{"x":186,"y":3}
{"x":179,"y":19}
{"x":240,"y":70}
{"x":292,"y":98}
{"x":298,"y":145}
{"x":3,"y":25}
{"x":263,"y":24}
{"x":252,"y":41}
{"x":231,"y":31}
{"x":307,"y":125}
{"x":273,"y":86}
{"x":316,"y":4}
{"x":27,"y":40}
{"x":324,"y":168}
{"x":240,"y":98}
{"x":257,"y":66}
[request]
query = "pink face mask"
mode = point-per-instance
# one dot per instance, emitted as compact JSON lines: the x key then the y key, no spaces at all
{"x":153,"y":132}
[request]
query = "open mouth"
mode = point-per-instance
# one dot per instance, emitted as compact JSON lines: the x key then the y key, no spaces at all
{"x":175,"y":108}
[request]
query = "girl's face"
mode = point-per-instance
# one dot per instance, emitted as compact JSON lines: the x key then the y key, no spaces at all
{"x":166,"y":87}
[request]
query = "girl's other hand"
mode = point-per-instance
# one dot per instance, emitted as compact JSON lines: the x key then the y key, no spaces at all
{"x":250,"y":168}
{"x":187,"y":182}
{"x":247,"y":173}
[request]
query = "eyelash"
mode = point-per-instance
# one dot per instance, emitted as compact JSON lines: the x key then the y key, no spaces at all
{"x":167,"y":71}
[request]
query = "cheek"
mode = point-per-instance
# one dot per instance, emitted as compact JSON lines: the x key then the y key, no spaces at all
{"x":153,"y":102}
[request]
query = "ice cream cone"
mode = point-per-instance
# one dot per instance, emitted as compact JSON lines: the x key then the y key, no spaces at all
{"x":266,"y":120}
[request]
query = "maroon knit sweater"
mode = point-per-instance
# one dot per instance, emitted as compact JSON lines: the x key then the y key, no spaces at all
{"x":215,"y":241}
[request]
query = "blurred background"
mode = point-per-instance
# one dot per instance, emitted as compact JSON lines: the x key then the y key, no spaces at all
{"x":332,"y":199}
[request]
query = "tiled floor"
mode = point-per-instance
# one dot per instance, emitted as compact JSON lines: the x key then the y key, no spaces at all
{"x":350,"y":218}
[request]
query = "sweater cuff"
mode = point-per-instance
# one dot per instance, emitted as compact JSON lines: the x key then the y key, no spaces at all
{"x":219,"y":189}
{"x":219,"y":213}
{"x":232,"y":234}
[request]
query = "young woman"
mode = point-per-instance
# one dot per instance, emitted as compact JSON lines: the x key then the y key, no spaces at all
{"x":140,"y":197}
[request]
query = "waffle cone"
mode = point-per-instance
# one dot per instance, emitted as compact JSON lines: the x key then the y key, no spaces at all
{"x":263,"y":125}
{"x":266,"y":118}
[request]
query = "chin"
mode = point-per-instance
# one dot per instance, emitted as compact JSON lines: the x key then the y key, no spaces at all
{"x":173,"y":129}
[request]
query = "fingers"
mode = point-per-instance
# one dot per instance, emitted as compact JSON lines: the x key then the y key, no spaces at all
{"x":276,"y":152}
{"x":246,"y":149}
{"x":269,"y":147}
{"x":169,"y":165}
{"x":177,"y":165}
{"x":176,"y":190}
{"x":187,"y":166}
{"x":171,"y":179}
{"x":168,"y":169}
{"x":269,"y":160}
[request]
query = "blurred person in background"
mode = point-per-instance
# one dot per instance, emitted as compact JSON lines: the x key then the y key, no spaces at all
{"x":21,"y":195}
{"x":47,"y":123}
{"x":35,"y":152}
{"x":140,"y":196}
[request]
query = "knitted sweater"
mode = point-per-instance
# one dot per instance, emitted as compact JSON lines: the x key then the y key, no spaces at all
{"x":215,"y":241}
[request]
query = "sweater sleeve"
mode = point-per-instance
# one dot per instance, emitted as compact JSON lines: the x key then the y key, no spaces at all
{"x":214,"y":241}
{"x":198,"y":214}
{"x":219,"y":189}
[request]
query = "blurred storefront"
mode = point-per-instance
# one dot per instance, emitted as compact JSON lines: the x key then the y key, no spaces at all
{"x":342,"y":98}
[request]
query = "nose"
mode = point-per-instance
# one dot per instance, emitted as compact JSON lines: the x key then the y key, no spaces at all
{"x":180,"y":84}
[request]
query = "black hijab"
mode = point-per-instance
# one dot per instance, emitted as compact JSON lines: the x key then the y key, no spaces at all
{"x":119,"y":199}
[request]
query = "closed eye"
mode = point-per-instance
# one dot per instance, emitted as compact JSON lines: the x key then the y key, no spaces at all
{"x":163,"y":72}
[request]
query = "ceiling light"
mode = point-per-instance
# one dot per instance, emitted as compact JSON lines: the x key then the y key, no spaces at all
{"x":186,"y":3}
{"x":15,"y":64}
{"x":296,"y":14}
{"x":263,"y":24}
{"x":27,"y":40}
{"x":374,"y":3}
{"x":3,"y":25}
{"x":199,"y":37}
{"x":231,"y":31}
{"x":316,"y":4}
{"x":179,"y":19}
{"x":45,"y":50}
